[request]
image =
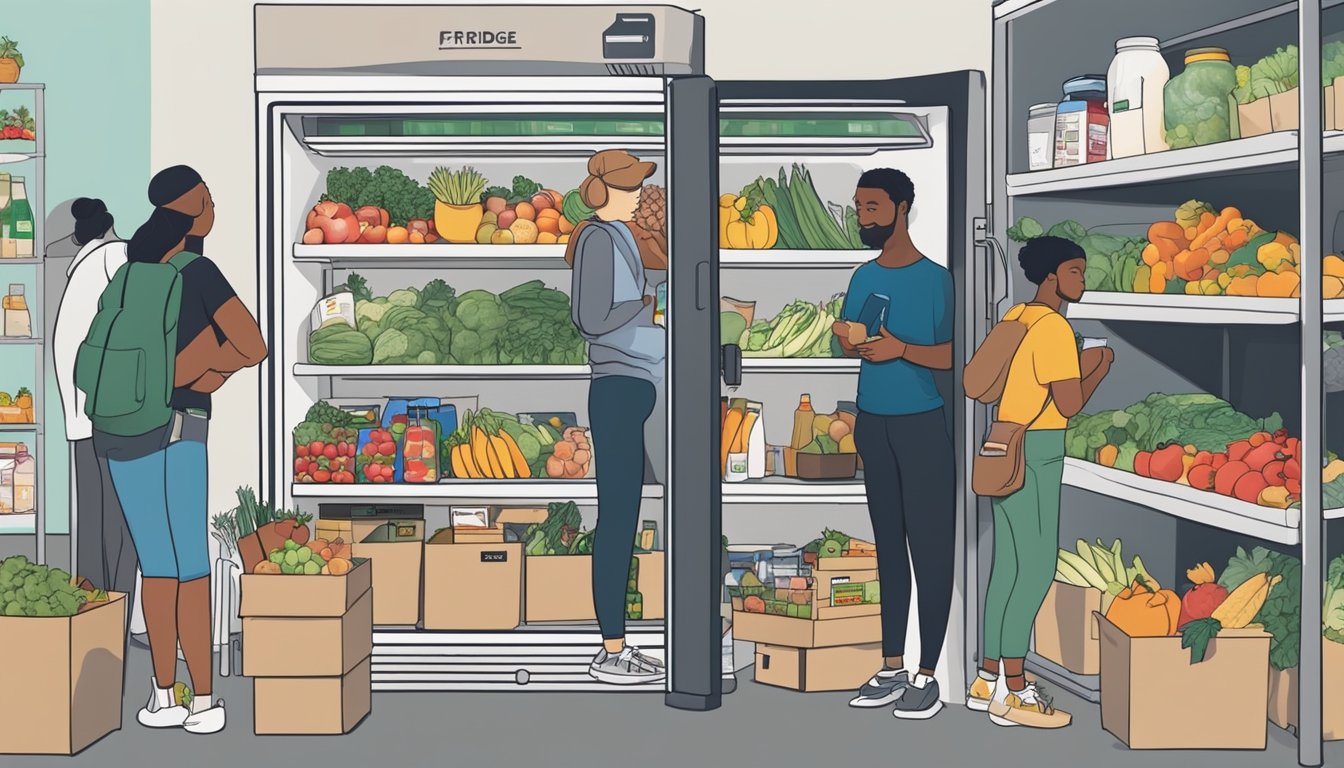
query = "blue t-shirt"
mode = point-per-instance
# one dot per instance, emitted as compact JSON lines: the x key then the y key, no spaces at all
{"x":922,"y":304}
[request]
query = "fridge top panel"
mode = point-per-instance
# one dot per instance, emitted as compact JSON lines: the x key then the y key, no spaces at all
{"x":480,"y":40}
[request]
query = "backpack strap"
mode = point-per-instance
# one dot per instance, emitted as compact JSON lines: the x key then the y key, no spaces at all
{"x":183,"y":259}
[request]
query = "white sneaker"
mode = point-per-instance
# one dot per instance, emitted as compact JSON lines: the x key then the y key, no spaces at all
{"x":207,"y":720}
{"x":156,"y":715}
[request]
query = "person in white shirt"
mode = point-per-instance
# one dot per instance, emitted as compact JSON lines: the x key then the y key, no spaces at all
{"x":105,"y":553}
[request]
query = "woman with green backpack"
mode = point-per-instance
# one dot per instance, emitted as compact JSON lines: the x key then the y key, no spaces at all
{"x":170,"y":331}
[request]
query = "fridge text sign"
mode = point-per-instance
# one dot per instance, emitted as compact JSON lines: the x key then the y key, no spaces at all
{"x":475,"y":40}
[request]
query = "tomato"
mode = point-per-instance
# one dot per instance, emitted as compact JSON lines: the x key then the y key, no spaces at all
{"x":315,"y":448}
{"x":415,"y":477}
{"x":371,"y":472}
{"x":387,"y":448}
{"x":321,"y":476}
{"x":370,"y":449}
{"x":300,"y":465}
{"x":329,"y":451}
{"x":301,"y":450}
{"x":388,"y":472}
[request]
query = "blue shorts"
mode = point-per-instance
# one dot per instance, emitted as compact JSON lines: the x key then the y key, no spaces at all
{"x":163,"y":495}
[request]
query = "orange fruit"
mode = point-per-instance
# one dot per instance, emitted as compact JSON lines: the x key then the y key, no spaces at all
{"x":563,"y":238}
{"x":566,"y":226}
{"x":397,"y":235}
{"x":525,"y":211}
{"x":547,"y":213}
{"x":550,"y":225}
{"x":417,"y":237}
{"x":547,"y":238}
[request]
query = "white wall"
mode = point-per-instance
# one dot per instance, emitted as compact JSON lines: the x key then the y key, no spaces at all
{"x":202,"y":111}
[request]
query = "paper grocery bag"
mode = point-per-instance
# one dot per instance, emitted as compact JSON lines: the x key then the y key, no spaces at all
{"x":1331,"y":121}
{"x":1255,"y":118}
{"x":1283,"y":114}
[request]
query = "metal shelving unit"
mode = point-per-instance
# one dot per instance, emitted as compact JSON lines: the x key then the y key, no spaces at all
{"x":1226,"y":171}
{"x":35,"y":188}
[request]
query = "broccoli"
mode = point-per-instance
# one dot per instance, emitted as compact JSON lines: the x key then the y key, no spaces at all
{"x":523,"y":189}
{"x":404,"y":198}
{"x":503,"y":192}
{"x":347,"y":185}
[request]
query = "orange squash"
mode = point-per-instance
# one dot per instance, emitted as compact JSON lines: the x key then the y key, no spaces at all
{"x":1144,"y":610}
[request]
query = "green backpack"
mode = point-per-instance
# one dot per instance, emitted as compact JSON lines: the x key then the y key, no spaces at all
{"x":125,"y":366}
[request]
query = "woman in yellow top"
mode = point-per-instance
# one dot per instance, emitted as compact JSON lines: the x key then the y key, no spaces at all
{"x":1049,"y":381}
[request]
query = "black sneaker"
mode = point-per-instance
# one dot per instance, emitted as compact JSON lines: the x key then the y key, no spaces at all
{"x":920,"y":700}
{"x":881,"y":690}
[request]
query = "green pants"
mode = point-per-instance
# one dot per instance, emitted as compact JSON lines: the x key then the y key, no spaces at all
{"x":1026,"y":543}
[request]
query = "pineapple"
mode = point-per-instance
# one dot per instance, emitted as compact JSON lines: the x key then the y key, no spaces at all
{"x":652,"y":213}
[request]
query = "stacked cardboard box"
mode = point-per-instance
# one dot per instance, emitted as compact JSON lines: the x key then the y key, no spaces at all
{"x":825,"y":635}
{"x":62,"y":677}
{"x":307,"y":642}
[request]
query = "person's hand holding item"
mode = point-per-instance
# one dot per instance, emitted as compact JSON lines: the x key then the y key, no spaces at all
{"x":1096,"y":359}
{"x":882,"y":349}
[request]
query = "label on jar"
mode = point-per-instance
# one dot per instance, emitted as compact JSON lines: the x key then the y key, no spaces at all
{"x":1068,"y":128}
{"x":1096,"y":142}
{"x":1039,"y":146}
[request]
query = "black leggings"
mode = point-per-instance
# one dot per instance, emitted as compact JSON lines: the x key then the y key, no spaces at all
{"x":618,"y":406}
{"x":909,"y":473}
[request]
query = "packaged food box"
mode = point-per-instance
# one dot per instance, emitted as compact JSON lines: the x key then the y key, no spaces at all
{"x":802,"y":602}
{"x":840,"y":668}
{"x":332,"y":645}
{"x":1146,"y":684}
{"x":472,"y":586}
{"x":1066,"y":628}
{"x":63,"y":678}
{"x":329,"y":705}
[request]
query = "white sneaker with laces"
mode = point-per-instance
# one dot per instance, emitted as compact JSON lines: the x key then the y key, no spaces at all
{"x":160,"y":711}
{"x":208,"y":720}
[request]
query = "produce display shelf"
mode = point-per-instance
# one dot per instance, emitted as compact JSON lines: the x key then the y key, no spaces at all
{"x":800,"y":365}
{"x":448,"y":372}
{"x":526,"y":660}
{"x":1334,"y":310}
{"x":782,"y":490}
{"x":1179,"y":308}
{"x":1086,"y":687}
{"x":1258,"y":153}
{"x":436,"y":255}
{"x":778,"y":258}
{"x":21,"y":428}
{"x":466,"y":490}
{"x":26,"y":341}
{"x":17,"y":523}
{"x":21,"y":262}
{"x":18,"y":157}
{"x":1205,"y":507}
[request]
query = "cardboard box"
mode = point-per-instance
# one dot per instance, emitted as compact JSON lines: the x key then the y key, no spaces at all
{"x":1147,"y":682}
{"x":807,"y":633}
{"x":333,"y":529}
{"x":1254,"y":118}
{"x":826,"y":466}
{"x":825,"y":581}
{"x":523,"y":515}
{"x":492,"y":535}
{"x":63,"y":679}
{"x":560,"y":587}
{"x":1283,"y":693}
{"x":290,"y":596}
{"x":396,"y":575}
{"x":842,"y":668}
{"x":1066,"y":628}
{"x":846,"y":564}
{"x":1283,"y":111}
{"x":294,"y":706}
{"x":331,"y":646}
{"x":473,"y":586}
{"x":1331,"y":117}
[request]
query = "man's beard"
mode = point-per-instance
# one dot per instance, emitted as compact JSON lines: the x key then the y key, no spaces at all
{"x":877,"y":236}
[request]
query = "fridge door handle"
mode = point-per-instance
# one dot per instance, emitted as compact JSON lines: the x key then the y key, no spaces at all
{"x":995,"y":255}
{"x":702,"y":285}
{"x":731,"y":364}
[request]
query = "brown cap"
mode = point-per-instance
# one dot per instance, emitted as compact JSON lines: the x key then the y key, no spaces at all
{"x":613,"y":168}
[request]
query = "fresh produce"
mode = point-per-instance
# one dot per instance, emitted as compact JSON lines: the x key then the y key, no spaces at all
{"x":377,"y":457}
{"x":574,"y":209}
{"x":559,"y":534}
{"x":387,"y":188}
{"x":1332,"y":617}
{"x":295,"y":559}
{"x":571,"y":456}
{"x":1200,"y":420}
{"x":334,"y":222}
{"x":458,"y":210}
{"x":325,"y":446}
{"x":540,"y":330}
{"x":1145,"y":610}
{"x":737,"y":426}
{"x":1271,"y":76}
{"x":799,"y":330}
{"x":18,"y":125}
{"x":1112,"y":260}
{"x":1202,"y":599}
{"x":836,"y":544}
{"x":1236,"y":612}
{"x":1100,"y":567}
{"x":11,"y":61}
{"x":337,"y":343}
{"x":482,"y":447}
{"x":1281,"y":611}
{"x":29,"y":589}
{"x":746,"y":221}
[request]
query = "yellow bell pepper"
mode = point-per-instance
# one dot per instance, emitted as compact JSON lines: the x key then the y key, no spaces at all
{"x":728,"y":213}
{"x":1273,"y":254}
{"x":758,"y":231}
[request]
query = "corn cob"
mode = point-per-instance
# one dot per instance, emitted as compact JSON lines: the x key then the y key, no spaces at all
{"x":1240,"y":607}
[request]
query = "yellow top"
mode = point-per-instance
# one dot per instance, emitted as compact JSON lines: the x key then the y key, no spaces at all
{"x":1049,"y":353}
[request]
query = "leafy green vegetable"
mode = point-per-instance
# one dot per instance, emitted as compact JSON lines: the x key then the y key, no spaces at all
{"x":358,"y":286}
{"x":523,"y":189}
{"x":1243,"y":92}
{"x":559,"y":534}
{"x":1276,"y":73}
{"x":1333,"y":608}
{"x":1196,"y":635}
{"x":1281,"y":613}
{"x":1332,"y":62}
{"x":1025,"y":229}
{"x":28,"y":589}
{"x":1069,"y":230}
{"x":386,"y":187}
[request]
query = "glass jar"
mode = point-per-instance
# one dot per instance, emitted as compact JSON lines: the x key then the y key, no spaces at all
{"x":420,"y":447}
{"x":1134,"y":85}
{"x":1081,"y":122}
{"x":1198,"y":105}
{"x":1041,"y":137}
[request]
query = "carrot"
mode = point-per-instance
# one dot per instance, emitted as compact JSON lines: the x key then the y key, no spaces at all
{"x":1158,"y":282}
{"x":1236,"y":238}
{"x":1150,"y":254}
{"x":1191,"y":233}
{"x":1167,"y":248}
{"x":1218,"y":227}
{"x":1168,"y":230}
{"x":1190,"y":264}
{"x":1206,"y":220}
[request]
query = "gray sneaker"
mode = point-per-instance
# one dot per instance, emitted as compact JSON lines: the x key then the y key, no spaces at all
{"x":629,"y":667}
{"x":919,"y":703}
{"x":881,"y":690}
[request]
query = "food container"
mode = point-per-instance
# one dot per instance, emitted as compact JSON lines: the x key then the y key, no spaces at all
{"x":377,"y":459}
{"x":325,"y":457}
{"x":420,"y":448}
{"x":1081,"y":122}
{"x":737,"y":468}
{"x":1041,"y":137}
{"x":363,"y":412}
{"x":1134,"y":82}
{"x":827,"y":466}
{"x":18,"y":480}
{"x":1198,"y":105}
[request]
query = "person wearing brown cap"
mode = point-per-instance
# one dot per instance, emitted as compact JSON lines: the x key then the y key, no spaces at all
{"x":614,"y":312}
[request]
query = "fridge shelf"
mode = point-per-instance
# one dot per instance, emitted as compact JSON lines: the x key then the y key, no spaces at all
{"x":18,"y":523}
{"x":448,"y":372}
{"x":1204,"y":507}
{"x":20,"y":428}
{"x":465,"y":490}
{"x":18,"y":157}
{"x":510,"y":146}
{"x":736,"y":258}
{"x":782,"y":490}
{"x":1178,"y":308}
{"x":1274,"y":151}
{"x":800,"y":365}
{"x":21,"y":262}
{"x":21,"y":341}
{"x":437,"y":256}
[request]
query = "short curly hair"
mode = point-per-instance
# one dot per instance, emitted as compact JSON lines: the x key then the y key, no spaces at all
{"x":897,"y":185}
{"x":1042,"y":256}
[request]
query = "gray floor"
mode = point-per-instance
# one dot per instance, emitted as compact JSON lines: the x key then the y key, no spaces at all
{"x":757,"y":726}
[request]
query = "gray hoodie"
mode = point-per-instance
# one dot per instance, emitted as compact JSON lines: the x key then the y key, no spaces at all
{"x":608,"y":305}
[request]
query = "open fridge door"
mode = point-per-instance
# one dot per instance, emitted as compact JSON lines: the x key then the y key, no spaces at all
{"x":806,"y":144}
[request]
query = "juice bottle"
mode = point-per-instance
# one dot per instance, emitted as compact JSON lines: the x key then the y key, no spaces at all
{"x":20,"y":220}
{"x":17,"y":320}
{"x":802,"y":423}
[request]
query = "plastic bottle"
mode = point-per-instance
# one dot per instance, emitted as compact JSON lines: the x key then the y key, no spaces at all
{"x":20,"y":221}
{"x":1081,"y":122}
{"x":802,"y":423}
{"x":1041,"y":137}
{"x":1134,"y":84}
{"x":756,"y":443}
{"x":18,"y":323}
